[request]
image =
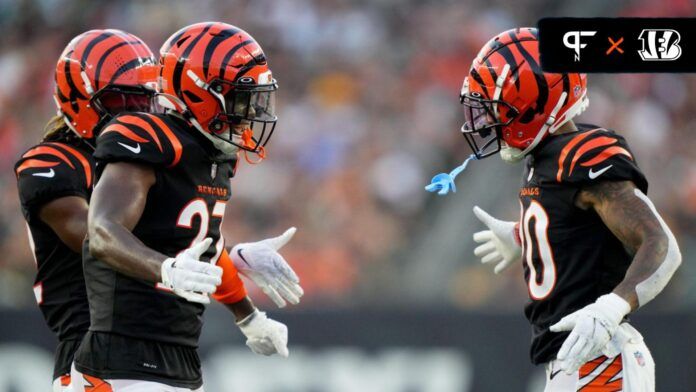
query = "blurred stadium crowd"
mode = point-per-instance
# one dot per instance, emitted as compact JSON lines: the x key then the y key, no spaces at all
{"x":368,"y":108}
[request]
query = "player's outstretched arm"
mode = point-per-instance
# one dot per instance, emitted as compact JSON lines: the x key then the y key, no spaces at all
{"x":67,"y":217}
{"x":633,"y":219}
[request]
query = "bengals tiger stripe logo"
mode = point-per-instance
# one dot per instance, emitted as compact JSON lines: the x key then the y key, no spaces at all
{"x":223,"y":47}
{"x":518,"y":48}
{"x":601,"y":374}
{"x":93,"y":60}
{"x":582,"y":147}
{"x":48,"y":155}
{"x":147,"y":128}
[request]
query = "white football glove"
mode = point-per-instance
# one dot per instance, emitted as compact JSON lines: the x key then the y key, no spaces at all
{"x":499,"y":245}
{"x":264,"y":335}
{"x":261,"y":262}
{"x":189,"y":277}
{"x":591,"y":329}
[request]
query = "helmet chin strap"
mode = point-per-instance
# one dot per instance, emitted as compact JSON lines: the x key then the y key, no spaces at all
{"x":514,"y":155}
{"x":228,"y":149}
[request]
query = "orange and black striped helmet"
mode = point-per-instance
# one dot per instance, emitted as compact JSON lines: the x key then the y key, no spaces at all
{"x":102,"y":73}
{"x":506,"y":96}
{"x":217,"y":76}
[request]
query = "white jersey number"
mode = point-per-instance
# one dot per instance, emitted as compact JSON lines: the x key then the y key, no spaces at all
{"x":538,"y":289}
{"x":198,"y":207}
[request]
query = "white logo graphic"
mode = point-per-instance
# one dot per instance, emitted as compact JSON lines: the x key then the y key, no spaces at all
{"x":660,"y":45}
{"x":576,"y":45}
{"x":595,"y":174}
{"x":47,"y":174}
{"x":134,"y":150}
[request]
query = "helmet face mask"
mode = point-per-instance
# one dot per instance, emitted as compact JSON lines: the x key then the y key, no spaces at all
{"x":247,"y":110}
{"x":114,"y":99}
{"x":482,"y":128}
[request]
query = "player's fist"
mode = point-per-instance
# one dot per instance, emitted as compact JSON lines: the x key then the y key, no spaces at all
{"x":498,"y":243}
{"x":261,"y":262}
{"x":264,"y":335}
{"x":189,"y":277}
{"x":591,"y":329}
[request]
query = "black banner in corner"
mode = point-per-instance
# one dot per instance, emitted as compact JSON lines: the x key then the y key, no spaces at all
{"x":617,"y":44}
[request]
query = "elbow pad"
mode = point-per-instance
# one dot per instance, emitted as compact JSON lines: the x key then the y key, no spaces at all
{"x":655,"y":283}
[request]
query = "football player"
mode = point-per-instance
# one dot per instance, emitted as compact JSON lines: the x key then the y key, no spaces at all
{"x":99,"y":74}
{"x":163,"y":181}
{"x":593,"y":246}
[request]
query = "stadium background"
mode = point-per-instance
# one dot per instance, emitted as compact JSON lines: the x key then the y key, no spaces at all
{"x":368,"y":112}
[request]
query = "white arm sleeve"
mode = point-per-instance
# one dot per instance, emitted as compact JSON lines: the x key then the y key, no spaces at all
{"x":655,"y":283}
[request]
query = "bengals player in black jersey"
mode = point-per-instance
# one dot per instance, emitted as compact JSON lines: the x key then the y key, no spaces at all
{"x":99,"y":74}
{"x":593,"y":246}
{"x":154,"y":251}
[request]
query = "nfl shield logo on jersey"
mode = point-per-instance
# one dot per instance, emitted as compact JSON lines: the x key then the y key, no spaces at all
{"x":639,"y":358}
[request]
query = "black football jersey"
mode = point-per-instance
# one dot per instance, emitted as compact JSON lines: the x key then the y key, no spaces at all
{"x":185,"y":205}
{"x":46,"y":172}
{"x":570,"y":257}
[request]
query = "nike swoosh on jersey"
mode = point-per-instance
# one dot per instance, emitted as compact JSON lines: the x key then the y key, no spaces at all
{"x":595,"y":174}
{"x":553,"y":374}
{"x":134,"y":150}
{"x":48,"y":174}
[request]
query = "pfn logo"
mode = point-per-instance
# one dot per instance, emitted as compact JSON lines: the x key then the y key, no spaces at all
{"x":659,"y":45}
{"x":576,"y":45}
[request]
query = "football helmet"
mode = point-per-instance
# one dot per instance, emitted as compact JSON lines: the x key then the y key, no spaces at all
{"x":217,"y":77}
{"x":100,"y":74}
{"x":508,"y":98}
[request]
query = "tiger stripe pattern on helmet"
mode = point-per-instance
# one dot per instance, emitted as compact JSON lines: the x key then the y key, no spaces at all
{"x":537,"y":97}
{"x":218,"y":48}
{"x":203,"y":53}
{"x":92,"y":61}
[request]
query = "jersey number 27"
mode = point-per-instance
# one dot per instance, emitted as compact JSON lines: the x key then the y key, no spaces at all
{"x":198,"y":207}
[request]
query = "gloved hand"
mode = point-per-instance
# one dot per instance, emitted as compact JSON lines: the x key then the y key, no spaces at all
{"x":261,"y":262}
{"x":189,"y":277}
{"x":591,"y":329}
{"x":264,"y":335}
{"x":498,"y":243}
